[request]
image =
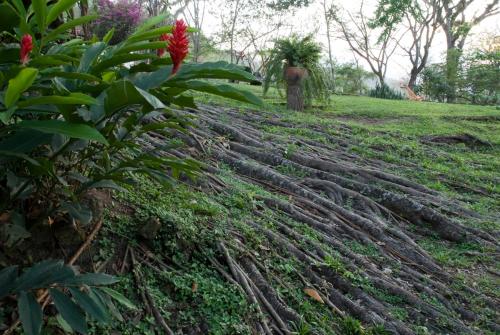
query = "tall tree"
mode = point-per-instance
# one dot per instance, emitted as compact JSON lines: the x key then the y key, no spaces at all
{"x":422,"y":25}
{"x":195,"y":15}
{"x":328,"y":14}
{"x":455,"y":17}
{"x":366,"y":41}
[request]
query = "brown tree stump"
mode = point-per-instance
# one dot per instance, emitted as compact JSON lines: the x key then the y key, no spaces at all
{"x":294,"y":77}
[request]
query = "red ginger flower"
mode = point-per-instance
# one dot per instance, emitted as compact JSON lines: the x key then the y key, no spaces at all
{"x":178,"y":44}
{"x":26,"y":47}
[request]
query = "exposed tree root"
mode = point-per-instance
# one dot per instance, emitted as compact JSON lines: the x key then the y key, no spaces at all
{"x":343,"y":199}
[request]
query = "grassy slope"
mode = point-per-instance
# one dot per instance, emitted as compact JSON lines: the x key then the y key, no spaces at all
{"x":388,"y":130}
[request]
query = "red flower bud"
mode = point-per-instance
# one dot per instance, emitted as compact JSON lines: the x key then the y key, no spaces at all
{"x":178,"y":44}
{"x":26,"y":47}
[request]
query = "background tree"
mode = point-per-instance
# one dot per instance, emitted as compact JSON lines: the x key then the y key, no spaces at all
{"x":366,"y":41}
{"x":421,"y":22}
{"x":328,"y":14}
{"x":195,"y":15}
{"x":455,"y":17}
{"x":351,"y":78}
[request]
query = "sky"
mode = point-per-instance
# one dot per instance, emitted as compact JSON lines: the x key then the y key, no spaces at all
{"x":310,"y":20}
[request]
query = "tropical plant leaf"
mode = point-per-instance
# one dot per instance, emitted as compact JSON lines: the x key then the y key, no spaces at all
{"x":70,"y":311}
{"x":58,"y":9}
{"x":30,"y":313}
{"x":223,"y":90}
{"x":120,"y":59}
{"x":43,"y":274}
{"x":40,"y":9}
{"x":213,"y":70}
{"x":88,"y":304}
{"x":118,"y":297}
{"x":73,"y":130}
{"x":19,"y":84}
{"x":91,"y":279}
{"x":24,"y":141}
{"x":54,"y":34}
{"x":70,"y":99}
{"x":8,"y":276}
{"x":90,"y":56}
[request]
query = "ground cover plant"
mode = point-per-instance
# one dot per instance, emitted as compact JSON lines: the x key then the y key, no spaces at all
{"x":281,"y":218}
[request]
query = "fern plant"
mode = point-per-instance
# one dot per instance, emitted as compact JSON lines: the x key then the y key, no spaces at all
{"x":300,"y":52}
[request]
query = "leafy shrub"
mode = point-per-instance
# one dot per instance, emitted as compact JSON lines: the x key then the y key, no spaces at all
{"x":71,"y":119}
{"x":121,"y":16}
{"x":89,"y":296}
{"x":297,"y":52}
{"x":385,"y":92}
{"x":480,"y":82}
{"x":72,"y":113}
{"x":432,"y":83}
{"x":350,"y":79}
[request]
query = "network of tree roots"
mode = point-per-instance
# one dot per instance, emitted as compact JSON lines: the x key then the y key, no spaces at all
{"x":344,"y":199}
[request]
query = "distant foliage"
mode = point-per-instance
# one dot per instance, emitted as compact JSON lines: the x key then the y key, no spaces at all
{"x":385,"y":92}
{"x":121,"y":15}
{"x":433,"y":84}
{"x":480,"y":79}
{"x":351,"y":79}
{"x":477,"y":82}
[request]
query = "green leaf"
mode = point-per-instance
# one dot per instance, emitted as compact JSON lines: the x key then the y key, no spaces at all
{"x":92,"y":279}
{"x":40,"y":8}
{"x":7,"y":115}
{"x":8,"y":18}
{"x":54,"y":34}
{"x":70,"y":312}
{"x":90,"y":55}
{"x":148,"y":80}
{"x":143,"y":45}
{"x":104,"y":183}
{"x":90,"y":306}
{"x":19,"y":84}
{"x":8,"y":276}
{"x":105,"y":301}
{"x":58,"y":9}
{"x":19,"y":155}
{"x":213,"y":70}
{"x":148,"y":35}
{"x":149,"y":23}
{"x":52,"y":60}
{"x":70,"y":99}
{"x":120,"y":59}
{"x":109,"y":35}
{"x":222,"y":90}
{"x":30,"y":313}
{"x":44,"y":273}
{"x":24,"y":141}
{"x":123,"y":93}
{"x":74,"y":130}
{"x":118,"y":297}
{"x":63,"y":324}
{"x":78,"y":212}
{"x":73,"y":75}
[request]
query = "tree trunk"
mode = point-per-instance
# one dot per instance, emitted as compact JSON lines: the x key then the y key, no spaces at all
{"x":452,"y":60}
{"x":294,"y":88}
{"x":413,"y":78}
